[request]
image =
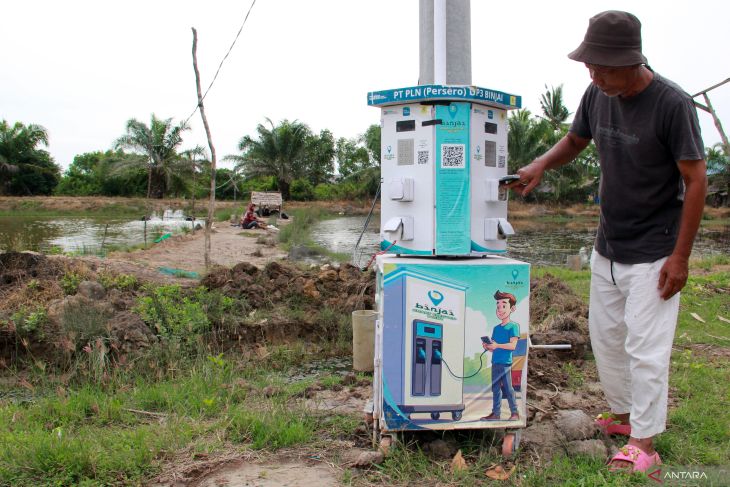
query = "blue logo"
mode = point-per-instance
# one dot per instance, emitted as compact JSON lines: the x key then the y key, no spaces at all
{"x":452,"y":110}
{"x":406,"y":111}
{"x":515,"y":273}
{"x":435,"y":297}
{"x":490,"y":114}
{"x":479,"y":148}
{"x":389,"y":149}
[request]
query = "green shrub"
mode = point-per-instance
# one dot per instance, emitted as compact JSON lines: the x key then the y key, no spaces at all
{"x":301,"y":190}
{"x":217,"y":306}
{"x":70,"y":282}
{"x":173,"y":314}
{"x":29,"y":322}
{"x":326,"y":192}
{"x":123,"y":282}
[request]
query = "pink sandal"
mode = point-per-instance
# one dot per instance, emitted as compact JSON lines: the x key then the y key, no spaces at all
{"x":608,"y":423}
{"x":640,"y":460}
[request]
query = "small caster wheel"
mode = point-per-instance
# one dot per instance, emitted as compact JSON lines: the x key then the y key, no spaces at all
{"x":456,"y":415}
{"x":435,"y":416}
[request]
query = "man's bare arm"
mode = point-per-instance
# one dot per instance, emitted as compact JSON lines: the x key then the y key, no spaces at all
{"x":561,"y":153}
{"x":673,"y":275}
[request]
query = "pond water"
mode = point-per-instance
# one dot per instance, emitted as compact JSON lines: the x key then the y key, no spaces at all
{"x":540,"y":243}
{"x":85,"y":235}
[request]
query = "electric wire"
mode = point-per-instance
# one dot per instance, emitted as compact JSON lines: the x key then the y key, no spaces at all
{"x":221,"y":63}
{"x":481,"y":364}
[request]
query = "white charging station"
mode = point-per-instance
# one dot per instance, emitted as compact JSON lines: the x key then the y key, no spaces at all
{"x":442,"y":284}
{"x":444,"y":149}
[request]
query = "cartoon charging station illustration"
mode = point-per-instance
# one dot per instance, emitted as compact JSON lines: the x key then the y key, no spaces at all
{"x":424,"y":317}
{"x":431,"y":370}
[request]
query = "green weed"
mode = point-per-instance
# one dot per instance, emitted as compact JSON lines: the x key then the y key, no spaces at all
{"x":123,"y":282}
{"x":575,"y":376}
{"x":29,"y":322}
{"x":173,"y":314}
{"x":70,"y":282}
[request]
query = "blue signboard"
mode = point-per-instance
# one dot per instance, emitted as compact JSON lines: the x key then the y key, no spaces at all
{"x":444,"y":92}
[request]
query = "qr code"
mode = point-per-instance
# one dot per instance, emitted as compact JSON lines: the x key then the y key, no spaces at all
{"x":423,"y":157}
{"x":452,"y":156}
{"x":501,"y":160}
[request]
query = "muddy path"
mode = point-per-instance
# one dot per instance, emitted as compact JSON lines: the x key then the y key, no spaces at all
{"x":229,"y":246}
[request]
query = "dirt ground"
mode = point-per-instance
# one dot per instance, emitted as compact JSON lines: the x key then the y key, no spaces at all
{"x":229,"y":246}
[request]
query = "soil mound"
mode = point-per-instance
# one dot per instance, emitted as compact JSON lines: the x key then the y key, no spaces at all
{"x":341,"y":287}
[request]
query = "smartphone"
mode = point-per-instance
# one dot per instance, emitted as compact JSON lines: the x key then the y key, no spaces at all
{"x":509,"y":179}
{"x":487,"y":340}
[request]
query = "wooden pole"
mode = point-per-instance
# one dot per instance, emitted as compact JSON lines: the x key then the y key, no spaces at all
{"x":708,"y":108}
{"x":211,"y":202}
{"x":718,"y":125}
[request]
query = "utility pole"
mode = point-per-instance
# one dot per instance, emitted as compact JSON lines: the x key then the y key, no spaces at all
{"x":445,"y":42}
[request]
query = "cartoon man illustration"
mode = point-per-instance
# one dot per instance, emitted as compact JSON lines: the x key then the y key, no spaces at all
{"x":502,"y":343}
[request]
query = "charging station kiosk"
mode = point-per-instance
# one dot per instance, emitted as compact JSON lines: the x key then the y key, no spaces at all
{"x":442,"y":280}
{"x":444,"y":149}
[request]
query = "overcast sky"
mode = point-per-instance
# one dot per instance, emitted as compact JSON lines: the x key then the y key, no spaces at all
{"x":81,"y":69}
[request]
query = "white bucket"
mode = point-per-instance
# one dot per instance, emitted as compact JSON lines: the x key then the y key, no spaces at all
{"x":363,"y":339}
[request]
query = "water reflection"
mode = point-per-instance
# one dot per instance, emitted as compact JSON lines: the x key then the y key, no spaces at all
{"x":86,"y":234}
{"x":537,"y":242}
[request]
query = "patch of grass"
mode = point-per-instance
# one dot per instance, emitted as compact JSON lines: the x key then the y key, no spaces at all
{"x":707,"y":263}
{"x":579,"y":281}
{"x":576,"y":471}
{"x":575,"y":376}
{"x":697,"y":432}
{"x":272,"y":429}
{"x":81,"y":323}
{"x":32,"y":454}
{"x":298,"y":231}
{"x":707,"y":297}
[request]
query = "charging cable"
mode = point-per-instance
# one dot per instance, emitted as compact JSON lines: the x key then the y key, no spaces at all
{"x":481,"y":364}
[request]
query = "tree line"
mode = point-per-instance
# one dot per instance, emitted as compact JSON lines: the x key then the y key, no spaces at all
{"x":147,"y":160}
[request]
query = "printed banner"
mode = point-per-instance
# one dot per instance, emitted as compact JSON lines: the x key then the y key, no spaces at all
{"x":453,"y":229}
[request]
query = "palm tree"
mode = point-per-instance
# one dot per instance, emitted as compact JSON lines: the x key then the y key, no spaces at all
{"x":157,"y":145}
{"x":527,"y":139}
{"x":24,"y":167}
{"x":192,"y":161}
{"x":276,"y":152}
{"x":553,"y":108}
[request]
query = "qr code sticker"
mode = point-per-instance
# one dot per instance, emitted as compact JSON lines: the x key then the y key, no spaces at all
{"x":501,"y":160}
{"x":423,"y":157}
{"x":452,"y":156}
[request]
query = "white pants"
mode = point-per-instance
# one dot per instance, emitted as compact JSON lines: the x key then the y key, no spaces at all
{"x":632,"y":330}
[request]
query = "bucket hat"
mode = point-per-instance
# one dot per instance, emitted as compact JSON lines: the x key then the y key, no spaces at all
{"x":613,"y":39}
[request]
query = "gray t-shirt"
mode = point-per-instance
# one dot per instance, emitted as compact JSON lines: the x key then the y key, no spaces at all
{"x":639,"y":141}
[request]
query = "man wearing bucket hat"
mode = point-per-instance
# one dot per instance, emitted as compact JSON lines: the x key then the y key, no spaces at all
{"x":652,"y":192}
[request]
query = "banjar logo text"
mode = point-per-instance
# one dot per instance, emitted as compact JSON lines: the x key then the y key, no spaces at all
{"x":516,"y":281}
{"x":431,"y":307}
